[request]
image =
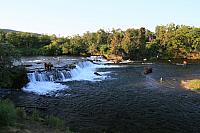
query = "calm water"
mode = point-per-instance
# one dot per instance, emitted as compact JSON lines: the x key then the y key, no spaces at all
{"x":126,"y":101}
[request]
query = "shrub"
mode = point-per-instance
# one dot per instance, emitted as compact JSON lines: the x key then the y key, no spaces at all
{"x":7,"y":113}
{"x":35,"y":115}
{"x":21,"y":114}
{"x":192,"y":84}
{"x":13,"y":78}
{"x":5,"y":78}
{"x":19,"y":77}
{"x":55,"y":122}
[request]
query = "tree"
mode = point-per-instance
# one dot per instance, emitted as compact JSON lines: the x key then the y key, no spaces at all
{"x":2,"y":36}
{"x":116,"y":38}
{"x":11,"y":76}
{"x":7,"y":55}
{"x":52,"y":49}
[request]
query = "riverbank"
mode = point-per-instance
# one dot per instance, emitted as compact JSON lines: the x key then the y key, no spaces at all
{"x":128,"y":101}
{"x":28,"y":120}
{"x":28,"y":126}
{"x":193,"y":84}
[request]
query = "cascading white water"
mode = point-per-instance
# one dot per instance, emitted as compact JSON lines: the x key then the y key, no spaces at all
{"x":84,"y":71}
{"x":44,"y":82}
{"x":31,"y":77}
{"x":56,"y":75}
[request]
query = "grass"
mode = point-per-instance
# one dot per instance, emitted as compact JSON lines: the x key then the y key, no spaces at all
{"x":55,"y":122}
{"x":192,"y":84}
{"x":21,"y":113}
{"x":8,"y":114}
{"x":17,"y":120}
{"x":35,"y":115}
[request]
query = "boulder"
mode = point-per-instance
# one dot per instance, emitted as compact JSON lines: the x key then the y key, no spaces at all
{"x":96,"y":73}
{"x":70,"y":66}
{"x":148,"y":70}
{"x":28,"y":65}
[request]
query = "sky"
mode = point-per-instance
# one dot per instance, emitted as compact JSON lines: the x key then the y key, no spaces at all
{"x":70,"y":17}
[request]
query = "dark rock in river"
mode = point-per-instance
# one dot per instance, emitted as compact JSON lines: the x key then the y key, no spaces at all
{"x":28,"y":65}
{"x":148,"y":70}
{"x":96,"y":73}
{"x":71,"y":66}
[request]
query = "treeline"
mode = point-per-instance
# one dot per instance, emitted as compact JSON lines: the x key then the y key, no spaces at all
{"x":170,"y":41}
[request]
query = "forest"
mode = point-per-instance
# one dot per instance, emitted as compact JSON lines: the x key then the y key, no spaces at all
{"x":169,"y":41}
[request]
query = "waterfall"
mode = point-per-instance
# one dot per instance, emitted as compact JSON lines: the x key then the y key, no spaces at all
{"x":84,"y":70}
{"x":46,"y":82}
{"x":55,"y":75}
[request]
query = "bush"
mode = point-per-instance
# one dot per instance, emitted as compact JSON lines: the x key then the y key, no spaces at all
{"x":13,"y":78}
{"x":35,"y":115}
{"x":5,"y":78}
{"x":28,"y":51}
{"x":21,"y":114}
{"x":55,"y":122}
{"x":19,"y":77}
{"x":192,"y":84}
{"x":7,"y":113}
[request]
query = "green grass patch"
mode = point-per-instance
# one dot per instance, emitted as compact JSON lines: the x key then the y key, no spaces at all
{"x":12,"y":119}
{"x":35,"y":115}
{"x":21,"y":113}
{"x":192,"y":84}
{"x":8,"y":114}
{"x":55,"y":122}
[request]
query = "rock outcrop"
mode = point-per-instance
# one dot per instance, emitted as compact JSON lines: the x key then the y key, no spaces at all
{"x":148,"y":70}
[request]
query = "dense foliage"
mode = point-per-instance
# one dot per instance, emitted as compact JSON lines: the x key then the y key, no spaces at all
{"x":7,"y":113}
{"x":16,"y":119}
{"x":170,"y":41}
{"x":14,"y":77}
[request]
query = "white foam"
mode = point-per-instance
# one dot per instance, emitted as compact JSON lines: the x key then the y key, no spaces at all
{"x":42,"y":85}
{"x":147,"y":63}
{"x":85,"y":71}
{"x":35,"y":61}
{"x":43,"y":88}
{"x":99,"y":60}
{"x":126,"y":61}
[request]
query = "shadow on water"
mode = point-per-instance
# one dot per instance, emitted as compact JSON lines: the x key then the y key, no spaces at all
{"x":127,"y":102}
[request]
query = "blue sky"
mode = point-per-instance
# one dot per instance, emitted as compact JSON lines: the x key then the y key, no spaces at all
{"x":68,"y":17}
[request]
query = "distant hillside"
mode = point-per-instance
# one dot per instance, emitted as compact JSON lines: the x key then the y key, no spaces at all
{"x":8,"y":30}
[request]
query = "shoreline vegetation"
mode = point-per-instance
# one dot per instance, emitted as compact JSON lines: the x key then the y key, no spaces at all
{"x":169,"y":42}
{"x":17,"y":120}
{"x":193,"y":84}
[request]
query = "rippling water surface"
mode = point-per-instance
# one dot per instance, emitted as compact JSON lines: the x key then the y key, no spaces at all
{"x":126,"y":101}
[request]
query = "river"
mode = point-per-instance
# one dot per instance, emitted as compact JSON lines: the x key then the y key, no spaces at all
{"x":121,"y":99}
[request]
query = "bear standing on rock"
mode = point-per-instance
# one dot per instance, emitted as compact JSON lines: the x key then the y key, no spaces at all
{"x":48,"y":66}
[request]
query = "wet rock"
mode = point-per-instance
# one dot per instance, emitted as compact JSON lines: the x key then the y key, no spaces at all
{"x":28,"y":65}
{"x":71,"y":66}
{"x":36,"y":70}
{"x":148,"y":70}
{"x":96,"y":73}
